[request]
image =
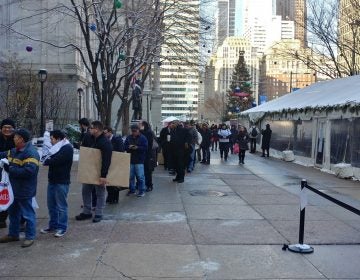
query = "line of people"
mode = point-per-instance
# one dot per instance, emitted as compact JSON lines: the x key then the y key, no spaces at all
{"x":180,"y":149}
{"x":23,"y":161}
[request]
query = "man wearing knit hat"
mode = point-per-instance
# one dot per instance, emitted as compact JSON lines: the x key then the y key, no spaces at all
{"x":23,"y":167}
{"x":7,"y":127}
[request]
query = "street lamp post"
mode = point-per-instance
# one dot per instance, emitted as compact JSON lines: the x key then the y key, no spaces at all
{"x":42,"y":75}
{"x":80,"y":92}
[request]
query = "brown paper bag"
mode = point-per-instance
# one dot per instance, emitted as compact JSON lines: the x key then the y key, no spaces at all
{"x":90,"y":166}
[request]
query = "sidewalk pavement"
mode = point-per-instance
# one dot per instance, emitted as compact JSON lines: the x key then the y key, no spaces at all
{"x":227,"y":221}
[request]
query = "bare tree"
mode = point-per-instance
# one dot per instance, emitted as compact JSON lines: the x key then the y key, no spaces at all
{"x":117,"y":41}
{"x":333,"y":29}
{"x":17,"y":90}
{"x":20,"y":98}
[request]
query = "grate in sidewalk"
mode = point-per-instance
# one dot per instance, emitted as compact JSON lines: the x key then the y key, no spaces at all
{"x":207,"y":193}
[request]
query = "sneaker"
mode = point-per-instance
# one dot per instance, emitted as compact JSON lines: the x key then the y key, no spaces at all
{"x":141,"y":194}
{"x":130,"y":193}
{"x":60,"y":233}
{"x":8,"y":238}
{"x":83,"y":216}
{"x":27,"y":243}
{"x":47,"y":230}
{"x":97,"y":218}
{"x":149,"y":189}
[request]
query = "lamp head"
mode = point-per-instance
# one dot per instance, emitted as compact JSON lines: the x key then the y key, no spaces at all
{"x":42,"y":75}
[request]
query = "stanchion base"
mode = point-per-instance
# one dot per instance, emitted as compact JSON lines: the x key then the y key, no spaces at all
{"x":301,"y":248}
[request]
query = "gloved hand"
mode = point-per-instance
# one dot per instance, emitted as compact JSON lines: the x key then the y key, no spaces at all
{"x":3,"y":161}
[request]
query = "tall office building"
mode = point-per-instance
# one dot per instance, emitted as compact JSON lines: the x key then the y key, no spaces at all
{"x":285,"y":9}
{"x":257,"y":19}
{"x":296,"y":11}
{"x":230,"y":14}
{"x":301,"y":21}
{"x":222,"y":26}
{"x":232,"y":10}
{"x":349,"y":28}
{"x":179,"y":74}
{"x":281,"y":73}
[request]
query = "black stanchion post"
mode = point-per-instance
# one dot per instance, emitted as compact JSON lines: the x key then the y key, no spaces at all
{"x":302,"y":217}
{"x":301,"y":247}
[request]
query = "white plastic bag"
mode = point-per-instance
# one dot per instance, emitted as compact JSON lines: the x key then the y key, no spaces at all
{"x":6,"y":192}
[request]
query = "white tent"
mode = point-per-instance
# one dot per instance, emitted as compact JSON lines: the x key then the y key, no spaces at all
{"x":324,"y":94}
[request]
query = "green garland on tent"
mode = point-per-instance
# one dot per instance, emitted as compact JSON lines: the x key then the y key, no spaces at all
{"x":347,"y":107}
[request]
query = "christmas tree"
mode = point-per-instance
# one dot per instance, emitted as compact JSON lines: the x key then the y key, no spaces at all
{"x":239,"y":96}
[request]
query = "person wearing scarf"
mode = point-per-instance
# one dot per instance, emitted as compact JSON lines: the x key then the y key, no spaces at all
{"x":59,"y":159}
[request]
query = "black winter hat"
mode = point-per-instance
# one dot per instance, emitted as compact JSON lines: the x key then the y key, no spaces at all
{"x":24,"y":133}
{"x":7,"y":122}
{"x":134,"y":126}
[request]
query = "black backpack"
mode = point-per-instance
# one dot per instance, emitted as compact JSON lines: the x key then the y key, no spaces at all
{"x":254,"y":132}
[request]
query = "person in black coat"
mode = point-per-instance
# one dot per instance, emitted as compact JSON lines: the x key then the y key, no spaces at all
{"x":145,"y":130}
{"x":265,"y":143}
{"x":117,"y":146}
{"x":6,"y":143}
{"x":86,"y":140}
{"x":165,"y":137}
{"x":105,"y":147}
{"x":116,"y":140}
{"x":242,"y":138}
{"x":206,"y":135}
{"x":180,"y":141}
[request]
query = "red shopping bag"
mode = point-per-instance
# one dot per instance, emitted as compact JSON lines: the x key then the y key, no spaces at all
{"x":236,"y":148}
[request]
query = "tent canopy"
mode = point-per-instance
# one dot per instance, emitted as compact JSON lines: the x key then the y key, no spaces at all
{"x":321,"y":94}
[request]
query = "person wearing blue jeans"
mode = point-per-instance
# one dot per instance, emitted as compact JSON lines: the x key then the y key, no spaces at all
{"x":137,"y":145}
{"x":59,"y":159}
{"x":58,"y":207}
{"x":137,"y":172}
{"x":22,"y":208}
{"x":23,"y":168}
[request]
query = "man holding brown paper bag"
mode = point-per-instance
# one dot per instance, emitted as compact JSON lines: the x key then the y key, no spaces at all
{"x":104,"y":145}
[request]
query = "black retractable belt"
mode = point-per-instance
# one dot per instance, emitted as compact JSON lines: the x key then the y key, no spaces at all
{"x":301,"y":247}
